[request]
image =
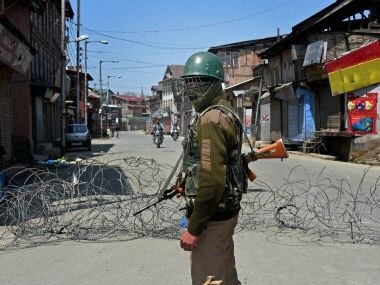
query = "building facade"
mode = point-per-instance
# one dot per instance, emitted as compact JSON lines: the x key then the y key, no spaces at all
{"x":15,"y":57}
{"x":172,"y":107}
{"x":300,"y":85}
{"x":46,"y":75}
{"x":30,"y":76}
{"x":240,"y":58}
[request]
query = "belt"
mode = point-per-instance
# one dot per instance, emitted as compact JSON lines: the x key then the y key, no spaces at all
{"x":225,"y":215}
{"x":218,"y":216}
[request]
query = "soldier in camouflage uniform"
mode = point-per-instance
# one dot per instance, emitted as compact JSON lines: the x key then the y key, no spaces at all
{"x":214,"y":180}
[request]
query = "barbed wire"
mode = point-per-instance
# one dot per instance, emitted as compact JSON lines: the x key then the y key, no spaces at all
{"x":94,"y":199}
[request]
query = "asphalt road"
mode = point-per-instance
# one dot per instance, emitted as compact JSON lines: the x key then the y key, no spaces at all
{"x":262,"y":257}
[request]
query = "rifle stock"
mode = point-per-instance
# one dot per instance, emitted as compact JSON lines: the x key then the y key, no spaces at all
{"x":274,"y":150}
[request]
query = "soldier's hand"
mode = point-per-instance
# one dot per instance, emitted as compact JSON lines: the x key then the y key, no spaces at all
{"x":188,"y":241}
{"x":180,"y":184}
{"x":180,"y":192}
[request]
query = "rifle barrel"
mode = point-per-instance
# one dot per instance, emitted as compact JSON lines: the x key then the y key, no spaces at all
{"x":167,"y":196}
{"x":147,"y":207}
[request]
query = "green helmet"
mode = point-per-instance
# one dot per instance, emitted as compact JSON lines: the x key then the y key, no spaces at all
{"x":204,"y":64}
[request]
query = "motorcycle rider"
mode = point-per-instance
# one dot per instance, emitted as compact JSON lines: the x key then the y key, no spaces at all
{"x":174,"y":128}
{"x":158,"y":129}
{"x":158,"y":126}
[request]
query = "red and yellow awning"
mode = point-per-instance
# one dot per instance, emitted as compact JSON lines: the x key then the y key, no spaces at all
{"x":354,"y":70}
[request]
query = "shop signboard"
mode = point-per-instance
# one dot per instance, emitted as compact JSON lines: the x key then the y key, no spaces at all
{"x":363,"y":111}
{"x":355,"y":69}
{"x":13,"y":53}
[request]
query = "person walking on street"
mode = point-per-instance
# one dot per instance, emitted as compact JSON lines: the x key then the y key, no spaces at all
{"x":214,"y":178}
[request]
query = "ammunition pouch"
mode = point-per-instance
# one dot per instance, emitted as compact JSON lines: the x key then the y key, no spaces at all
{"x":191,"y":184}
{"x":236,"y":182}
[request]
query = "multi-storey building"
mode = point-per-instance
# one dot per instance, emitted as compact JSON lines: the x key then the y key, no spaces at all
{"x":169,"y":111}
{"x":241,"y":79}
{"x":319,"y":73}
{"x":45,"y":35}
{"x":30,"y":63}
{"x":239,"y":58}
{"x":135,"y":115}
{"x":15,"y":57}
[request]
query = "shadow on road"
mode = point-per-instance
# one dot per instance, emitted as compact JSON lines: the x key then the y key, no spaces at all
{"x":39,"y":192}
{"x":96,"y":150}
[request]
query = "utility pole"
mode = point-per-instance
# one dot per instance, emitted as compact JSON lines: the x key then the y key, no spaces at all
{"x":78,"y":64}
{"x":63,"y":75}
{"x":108,"y":125}
{"x":101,"y":93}
{"x":85,"y":77}
{"x":85,"y":83}
{"x":101,"y":99}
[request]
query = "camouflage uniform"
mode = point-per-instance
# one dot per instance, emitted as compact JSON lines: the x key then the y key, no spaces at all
{"x":214,"y":180}
{"x":212,"y":195}
{"x":213,"y":143}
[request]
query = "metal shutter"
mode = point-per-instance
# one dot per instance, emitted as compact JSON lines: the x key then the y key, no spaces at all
{"x":294,"y":126}
{"x":39,"y":113}
{"x":5,"y":113}
{"x":301,"y":124}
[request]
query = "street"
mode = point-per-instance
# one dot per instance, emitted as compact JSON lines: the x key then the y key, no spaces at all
{"x":304,"y":221}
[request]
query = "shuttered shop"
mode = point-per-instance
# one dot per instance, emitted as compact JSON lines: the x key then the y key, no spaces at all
{"x":46,"y":120}
{"x":5,"y":113}
{"x":40,"y":122}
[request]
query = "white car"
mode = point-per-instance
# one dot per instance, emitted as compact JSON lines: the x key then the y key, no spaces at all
{"x":78,"y":135}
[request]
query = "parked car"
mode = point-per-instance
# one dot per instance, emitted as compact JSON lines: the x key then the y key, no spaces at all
{"x":78,"y":135}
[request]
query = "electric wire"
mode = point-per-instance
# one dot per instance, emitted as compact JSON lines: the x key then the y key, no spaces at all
{"x":196,"y":27}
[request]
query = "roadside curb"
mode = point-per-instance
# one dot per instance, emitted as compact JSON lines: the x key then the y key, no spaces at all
{"x":317,"y":155}
{"x":260,"y":144}
{"x":246,"y":148}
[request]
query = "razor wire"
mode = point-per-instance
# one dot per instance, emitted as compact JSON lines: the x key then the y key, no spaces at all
{"x":94,"y":199}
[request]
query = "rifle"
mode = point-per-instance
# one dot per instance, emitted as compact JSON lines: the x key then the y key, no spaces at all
{"x":274,"y":150}
{"x":168,"y":194}
{"x":165,"y":194}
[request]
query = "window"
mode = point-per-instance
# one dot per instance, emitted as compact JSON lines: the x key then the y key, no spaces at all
{"x":230,"y":59}
{"x":235,"y":59}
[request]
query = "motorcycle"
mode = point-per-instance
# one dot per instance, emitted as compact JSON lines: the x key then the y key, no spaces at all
{"x":158,"y":138}
{"x":174,"y":133}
